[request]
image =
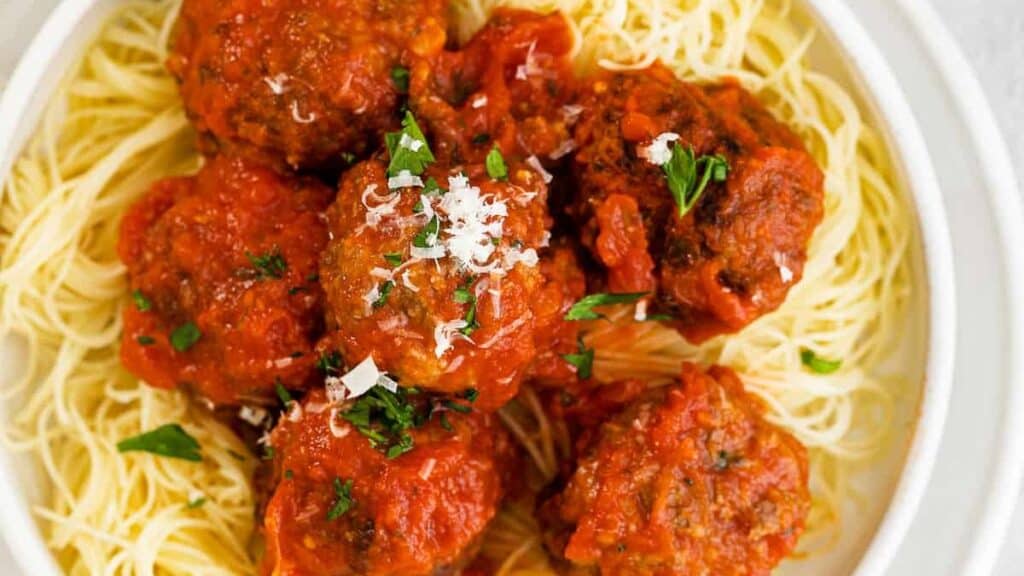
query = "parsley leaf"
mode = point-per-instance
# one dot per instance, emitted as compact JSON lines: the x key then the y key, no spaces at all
{"x":283,"y":394}
{"x":393,"y":258}
{"x":583,"y":360}
{"x":170,"y":440}
{"x":400,"y":76}
{"x":464,"y":294}
{"x":404,"y":157}
{"x":432,"y":188}
{"x":427,"y":237}
{"x":193,"y":504}
{"x":142,"y":304}
{"x":495,"y":163}
{"x":329,"y":363}
{"x":145,"y":340}
{"x":185,"y":336}
{"x":682,"y":174}
{"x":384,"y":417}
{"x":269,"y":265}
{"x":470,"y":394}
{"x":384,"y":290}
{"x":818,"y":364}
{"x":584,"y":309}
{"x":343,"y":499}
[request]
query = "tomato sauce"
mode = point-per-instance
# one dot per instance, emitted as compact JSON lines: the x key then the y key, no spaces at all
{"x":507,"y":86}
{"x":416,"y":514}
{"x":731,"y":258}
{"x":232,"y":252}
{"x":687,"y":479}
{"x":300,"y":83}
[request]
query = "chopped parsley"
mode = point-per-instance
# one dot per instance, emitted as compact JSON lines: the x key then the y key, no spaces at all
{"x":495,"y":163}
{"x":170,"y":440}
{"x":682,"y":174}
{"x":445,"y":423}
{"x":283,"y":394}
{"x":464,"y":295}
{"x":348,"y":158}
{"x":584,"y":309}
{"x":145,"y":340}
{"x":400,"y":76}
{"x":404,"y":157}
{"x":384,"y":290}
{"x":185,"y":336}
{"x":470,"y":394}
{"x":432,"y":188}
{"x":456,"y":407}
{"x":268,"y":453}
{"x":236,"y":455}
{"x":288,"y":474}
{"x":818,"y":364}
{"x":142,"y":304}
{"x":582,"y":360}
{"x":481,"y":138}
{"x":329,"y":363}
{"x":193,"y":504}
{"x":384,"y":417}
{"x":269,"y":265}
{"x":393,"y":258}
{"x":343,"y":499}
{"x":427,"y":237}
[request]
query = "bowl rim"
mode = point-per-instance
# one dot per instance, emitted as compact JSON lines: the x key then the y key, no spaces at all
{"x":1004,"y":191}
{"x":19,"y":109}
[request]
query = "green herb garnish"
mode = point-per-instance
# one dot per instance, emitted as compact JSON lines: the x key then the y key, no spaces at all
{"x":495,"y":163}
{"x":269,"y":265}
{"x":404,"y":157}
{"x":142,"y":304}
{"x":584,"y":309}
{"x":427,"y":237}
{"x":185,"y":336}
{"x":481,"y":138}
{"x":470,"y":394}
{"x":192,"y":505}
{"x":283,"y":394}
{"x":432,"y":188}
{"x":818,"y":364}
{"x":170,"y":440}
{"x":582,"y":360}
{"x":343,"y":499}
{"x":682,"y":174}
{"x":329,"y":363}
{"x":145,"y":340}
{"x":393,"y":258}
{"x":464,"y":295}
{"x":383,"y":291}
{"x":384,"y":417}
{"x":400,"y":76}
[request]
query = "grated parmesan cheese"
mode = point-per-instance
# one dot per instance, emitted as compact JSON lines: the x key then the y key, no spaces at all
{"x":298,"y":117}
{"x":253,"y":415}
{"x":360,"y":379}
{"x":404,"y":179}
{"x":427,"y":469}
{"x":407,"y":282}
{"x":658,"y":152}
{"x":445,"y":333}
{"x":479,"y":102}
{"x":277,"y":83}
{"x":534,"y":163}
{"x":410,"y":143}
{"x":563,"y":149}
{"x":385,"y":205}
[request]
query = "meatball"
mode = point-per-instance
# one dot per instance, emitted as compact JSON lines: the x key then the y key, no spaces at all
{"x":509,"y":85}
{"x":556,"y":337}
{"x":301,"y":82}
{"x":342,"y":507}
{"x":434,"y":276}
{"x":716,"y":260}
{"x":223,"y":267}
{"x":713,"y":488}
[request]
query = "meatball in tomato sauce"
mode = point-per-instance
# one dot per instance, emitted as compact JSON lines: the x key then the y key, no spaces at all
{"x":697,"y":195}
{"x":435,"y":276}
{"x":223,"y":268}
{"x":509,"y":85}
{"x":305,"y":83}
{"x":686,"y":479}
{"x":343,"y":507}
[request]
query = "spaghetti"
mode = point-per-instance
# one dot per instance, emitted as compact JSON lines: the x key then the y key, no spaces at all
{"x":118,"y":126}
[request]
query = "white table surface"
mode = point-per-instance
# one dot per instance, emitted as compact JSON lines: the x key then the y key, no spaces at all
{"x":990,"y":31}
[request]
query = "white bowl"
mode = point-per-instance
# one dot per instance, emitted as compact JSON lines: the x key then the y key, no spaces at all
{"x":844,"y":51}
